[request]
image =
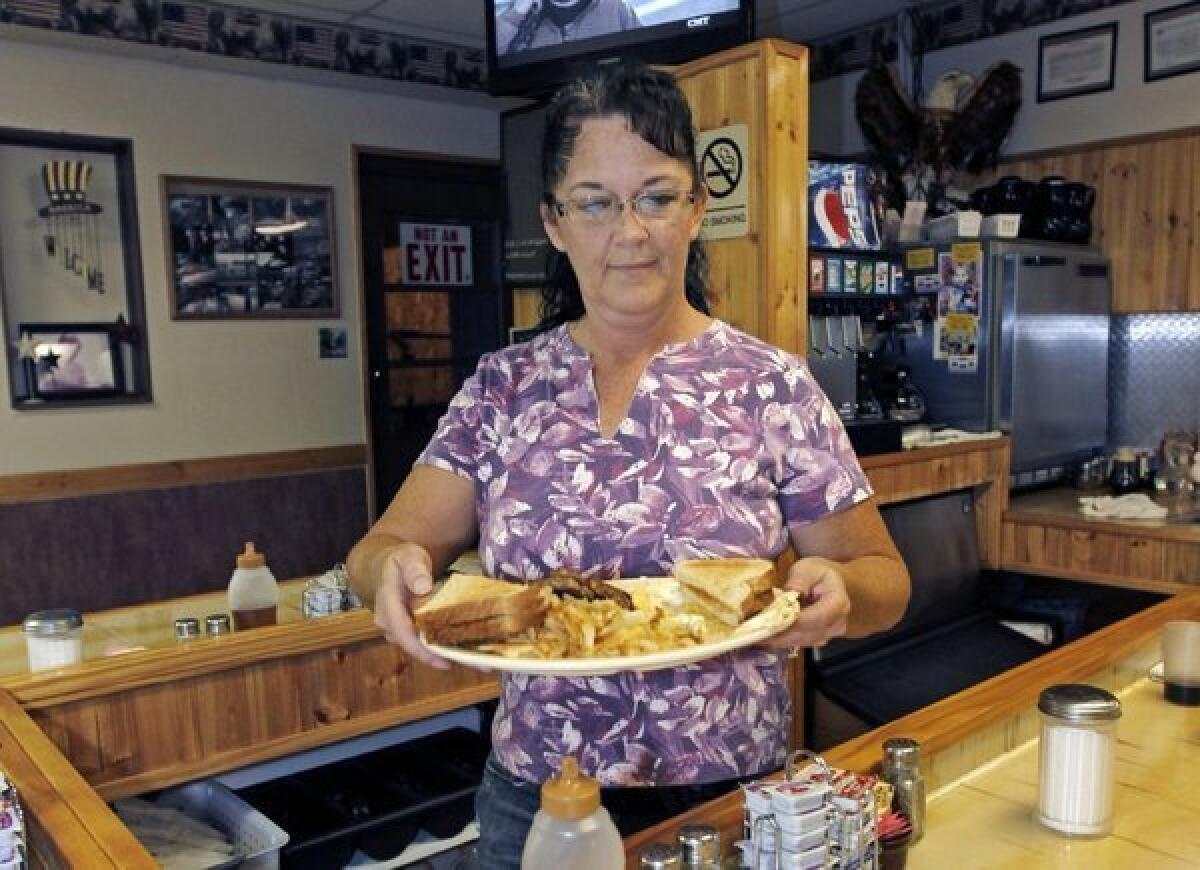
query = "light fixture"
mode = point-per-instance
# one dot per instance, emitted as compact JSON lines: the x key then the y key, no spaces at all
{"x":276,"y":227}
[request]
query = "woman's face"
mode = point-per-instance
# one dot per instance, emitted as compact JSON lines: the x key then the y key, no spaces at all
{"x":635,"y":264}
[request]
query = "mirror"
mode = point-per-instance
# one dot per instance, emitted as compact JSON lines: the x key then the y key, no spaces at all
{"x":71,"y":297}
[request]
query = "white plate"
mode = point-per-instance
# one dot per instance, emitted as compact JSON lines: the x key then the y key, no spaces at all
{"x":772,"y":620}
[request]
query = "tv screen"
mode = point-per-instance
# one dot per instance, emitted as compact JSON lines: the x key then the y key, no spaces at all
{"x":536,"y":45}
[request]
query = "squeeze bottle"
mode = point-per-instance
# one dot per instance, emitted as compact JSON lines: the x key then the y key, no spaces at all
{"x":572,"y":831}
{"x":253,"y":592}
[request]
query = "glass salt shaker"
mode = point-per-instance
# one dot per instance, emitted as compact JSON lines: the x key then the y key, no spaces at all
{"x":1076,"y":759}
{"x":53,"y":638}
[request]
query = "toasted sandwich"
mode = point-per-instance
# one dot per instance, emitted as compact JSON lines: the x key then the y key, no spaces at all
{"x":473,"y":609}
{"x":732,"y":590}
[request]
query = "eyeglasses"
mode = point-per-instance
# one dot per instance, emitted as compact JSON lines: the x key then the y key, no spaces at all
{"x":602,"y":208}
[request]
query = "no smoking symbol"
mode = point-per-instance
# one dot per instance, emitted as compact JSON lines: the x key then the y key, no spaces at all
{"x":722,"y":167}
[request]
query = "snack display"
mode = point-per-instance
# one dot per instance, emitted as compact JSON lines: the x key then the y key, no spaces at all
{"x":572,"y":625}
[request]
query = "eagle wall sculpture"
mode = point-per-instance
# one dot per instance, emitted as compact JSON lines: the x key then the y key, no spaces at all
{"x":961,"y":127}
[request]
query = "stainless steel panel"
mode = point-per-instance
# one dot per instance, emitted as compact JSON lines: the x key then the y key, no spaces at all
{"x":1154,"y":377}
{"x":832,"y":363}
{"x":1054,"y":356}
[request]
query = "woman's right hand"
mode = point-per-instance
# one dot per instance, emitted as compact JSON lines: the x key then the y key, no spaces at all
{"x":405,"y":571}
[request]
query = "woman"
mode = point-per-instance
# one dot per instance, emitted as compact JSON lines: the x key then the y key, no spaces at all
{"x":637,"y":430}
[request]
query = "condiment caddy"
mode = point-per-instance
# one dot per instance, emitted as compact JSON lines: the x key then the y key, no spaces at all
{"x":816,"y":817}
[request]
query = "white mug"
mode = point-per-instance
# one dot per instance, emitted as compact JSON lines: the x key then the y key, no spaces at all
{"x":1181,"y":662}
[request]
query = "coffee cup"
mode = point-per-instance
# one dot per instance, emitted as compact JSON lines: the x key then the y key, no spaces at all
{"x":1181,"y":663}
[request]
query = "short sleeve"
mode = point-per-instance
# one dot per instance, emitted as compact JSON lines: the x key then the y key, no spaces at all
{"x":462,"y":436}
{"x":815,"y":469}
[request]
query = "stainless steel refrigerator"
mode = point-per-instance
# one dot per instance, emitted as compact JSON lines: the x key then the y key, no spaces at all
{"x":1035,"y":365}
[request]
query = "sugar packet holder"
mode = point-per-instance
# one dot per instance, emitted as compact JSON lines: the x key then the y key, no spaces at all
{"x":815,"y":817}
{"x":12,"y":827}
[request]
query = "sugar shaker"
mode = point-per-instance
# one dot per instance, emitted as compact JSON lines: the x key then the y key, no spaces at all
{"x":902,"y":768}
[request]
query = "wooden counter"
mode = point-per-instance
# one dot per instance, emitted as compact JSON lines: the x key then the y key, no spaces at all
{"x":144,"y":711}
{"x":963,"y":733}
{"x":1045,"y":533}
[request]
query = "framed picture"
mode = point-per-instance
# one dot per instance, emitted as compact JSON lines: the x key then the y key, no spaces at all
{"x":71,"y":360}
{"x":240,"y":249}
{"x":1172,"y":41}
{"x":1077,"y":62}
{"x":70,"y":258}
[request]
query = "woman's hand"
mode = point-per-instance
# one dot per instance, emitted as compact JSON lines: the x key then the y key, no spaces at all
{"x":405,"y":570}
{"x":824,"y":605}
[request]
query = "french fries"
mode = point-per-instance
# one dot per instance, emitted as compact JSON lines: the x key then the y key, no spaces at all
{"x":575,"y":628}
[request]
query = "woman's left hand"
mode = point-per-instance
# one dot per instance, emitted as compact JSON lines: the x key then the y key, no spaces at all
{"x":824,"y":605}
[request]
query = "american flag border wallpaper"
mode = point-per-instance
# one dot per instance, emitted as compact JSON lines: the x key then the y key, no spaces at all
{"x":234,"y":31}
{"x":942,"y":24}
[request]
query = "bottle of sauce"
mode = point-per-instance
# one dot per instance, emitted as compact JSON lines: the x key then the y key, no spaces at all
{"x":572,"y":831}
{"x":253,"y":592}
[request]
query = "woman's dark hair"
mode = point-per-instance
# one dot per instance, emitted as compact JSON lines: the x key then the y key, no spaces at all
{"x":657,"y":111}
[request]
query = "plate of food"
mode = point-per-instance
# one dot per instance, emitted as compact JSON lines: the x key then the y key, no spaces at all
{"x":569,"y":625}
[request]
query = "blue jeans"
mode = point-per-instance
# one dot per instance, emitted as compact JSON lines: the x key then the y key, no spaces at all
{"x":505,"y":805}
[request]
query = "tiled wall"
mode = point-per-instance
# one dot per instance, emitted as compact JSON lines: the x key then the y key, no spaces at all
{"x":1153,"y":377}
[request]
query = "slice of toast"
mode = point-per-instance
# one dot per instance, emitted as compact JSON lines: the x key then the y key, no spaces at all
{"x":469,"y":597}
{"x":470,"y":608}
{"x":489,"y":629}
{"x":732,"y":589}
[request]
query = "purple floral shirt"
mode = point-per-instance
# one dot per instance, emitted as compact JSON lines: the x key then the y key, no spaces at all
{"x":728,"y":441}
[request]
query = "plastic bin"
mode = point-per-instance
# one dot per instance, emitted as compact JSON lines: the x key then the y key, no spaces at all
{"x":257,"y":839}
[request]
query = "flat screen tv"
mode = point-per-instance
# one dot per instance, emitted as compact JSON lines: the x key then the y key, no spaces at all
{"x":536,"y":45}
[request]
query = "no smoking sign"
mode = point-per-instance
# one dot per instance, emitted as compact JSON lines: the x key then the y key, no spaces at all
{"x":723,"y":169}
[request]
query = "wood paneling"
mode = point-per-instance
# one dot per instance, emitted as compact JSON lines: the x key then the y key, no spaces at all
{"x":758,"y":281}
{"x":1147,"y":213}
{"x":42,"y":485}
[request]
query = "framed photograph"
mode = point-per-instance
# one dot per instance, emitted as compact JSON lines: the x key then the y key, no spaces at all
{"x":1172,"y":41}
{"x":241,"y":249}
{"x":1077,"y":62}
{"x":71,"y":360}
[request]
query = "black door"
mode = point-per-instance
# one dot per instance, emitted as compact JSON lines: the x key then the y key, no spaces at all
{"x":432,"y":243}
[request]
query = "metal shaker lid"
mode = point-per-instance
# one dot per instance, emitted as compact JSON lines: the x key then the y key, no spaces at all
{"x":659,"y":856}
{"x":52,"y":623}
{"x":699,"y":845}
{"x":901,"y":752}
{"x":217,"y":623}
{"x":187,"y":626}
{"x":1076,"y":702}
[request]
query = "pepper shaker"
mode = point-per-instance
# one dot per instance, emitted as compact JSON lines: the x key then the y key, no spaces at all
{"x":700,"y":847}
{"x":659,"y":856}
{"x":902,"y":768}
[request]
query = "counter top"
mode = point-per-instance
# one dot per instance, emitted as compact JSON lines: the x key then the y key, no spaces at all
{"x":1156,"y":808}
{"x":142,"y":627}
{"x":1061,"y":506}
{"x":966,"y":733}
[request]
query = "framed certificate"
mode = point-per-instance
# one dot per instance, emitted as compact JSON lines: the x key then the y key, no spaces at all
{"x":1172,"y":41}
{"x":1077,"y":62}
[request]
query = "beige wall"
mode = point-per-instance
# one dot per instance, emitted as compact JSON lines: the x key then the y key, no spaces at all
{"x":222,"y":388}
{"x":1131,"y":108}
